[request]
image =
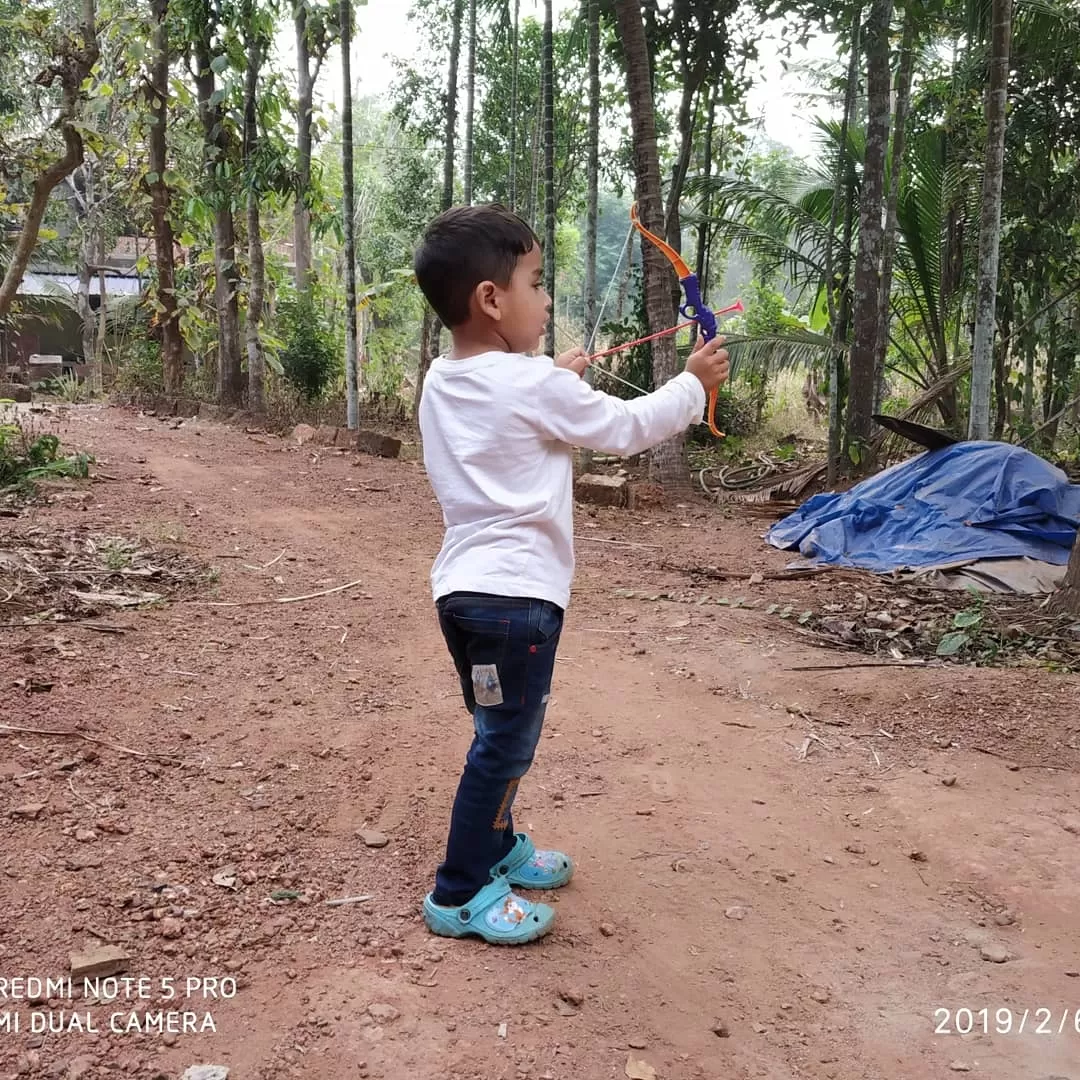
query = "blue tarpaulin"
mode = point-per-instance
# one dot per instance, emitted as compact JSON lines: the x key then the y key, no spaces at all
{"x":973,"y":500}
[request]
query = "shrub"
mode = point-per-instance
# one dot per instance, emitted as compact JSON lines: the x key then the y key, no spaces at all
{"x":26,"y":455}
{"x":308,"y":360}
{"x":140,"y":368}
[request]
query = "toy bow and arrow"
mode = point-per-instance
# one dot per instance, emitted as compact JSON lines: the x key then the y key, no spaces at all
{"x":694,"y":308}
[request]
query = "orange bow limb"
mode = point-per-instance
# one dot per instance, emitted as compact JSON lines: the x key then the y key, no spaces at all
{"x":673,"y":256}
{"x":694,"y":307}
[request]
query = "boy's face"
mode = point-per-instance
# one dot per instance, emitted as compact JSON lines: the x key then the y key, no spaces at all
{"x":522,"y":309}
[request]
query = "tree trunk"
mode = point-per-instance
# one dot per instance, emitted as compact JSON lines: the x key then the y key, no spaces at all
{"x":230,"y":377}
{"x":470,"y":103}
{"x":516,"y":31}
{"x":256,"y":262}
{"x":838,"y":312}
{"x":82,"y":186}
{"x":1001,"y":368}
{"x":536,"y":156}
{"x":982,"y":357}
{"x":451,"y":106}
{"x":691,"y":82}
{"x":1029,"y":382}
{"x":87,"y":321}
{"x":429,"y":334}
{"x":703,"y":236}
{"x":157,"y":100}
{"x":1067,"y":599}
{"x":672,"y":219}
{"x":548,"y":62}
{"x":352,"y":406}
{"x":78,"y":56}
{"x":623,"y":294}
{"x":867,"y":320}
{"x":255,"y":356}
{"x":302,"y":246}
{"x":904,"y":74}
{"x":592,"y":212}
{"x":427,"y":354}
{"x":93,"y":259}
{"x":668,"y":461}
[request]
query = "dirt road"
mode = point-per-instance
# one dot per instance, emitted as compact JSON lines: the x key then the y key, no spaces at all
{"x":750,"y":902}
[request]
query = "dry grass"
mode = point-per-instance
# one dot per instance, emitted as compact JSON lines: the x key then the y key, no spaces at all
{"x":60,"y":575}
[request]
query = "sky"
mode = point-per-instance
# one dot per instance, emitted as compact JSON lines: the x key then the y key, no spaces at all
{"x":384,"y":31}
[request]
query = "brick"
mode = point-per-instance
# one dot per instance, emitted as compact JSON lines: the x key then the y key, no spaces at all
{"x":601,"y":490}
{"x":99,"y":963}
{"x":371,"y":442}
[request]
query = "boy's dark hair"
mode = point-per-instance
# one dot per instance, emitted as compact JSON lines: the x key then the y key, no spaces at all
{"x":464,"y":246}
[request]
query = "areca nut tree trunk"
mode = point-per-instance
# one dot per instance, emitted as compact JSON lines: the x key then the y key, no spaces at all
{"x":866,"y":315}
{"x":317,"y":27}
{"x":668,"y":460}
{"x":451,"y":105}
{"x":470,"y":104}
{"x":516,"y":31}
{"x":216,"y":148}
{"x":904,"y":75}
{"x":256,"y":54}
{"x":352,"y":396}
{"x":432,"y":327}
{"x":838,"y":311}
{"x":982,"y":356}
{"x":592,"y":210}
{"x":548,"y":61}
{"x":156,"y":91}
{"x":305,"y":98}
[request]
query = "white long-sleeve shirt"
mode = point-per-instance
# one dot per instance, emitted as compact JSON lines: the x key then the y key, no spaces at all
{"x":498,"y":431}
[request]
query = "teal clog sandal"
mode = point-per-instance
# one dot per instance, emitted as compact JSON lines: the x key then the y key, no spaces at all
{"x":494,"y":914}
{"x":528,"y":868}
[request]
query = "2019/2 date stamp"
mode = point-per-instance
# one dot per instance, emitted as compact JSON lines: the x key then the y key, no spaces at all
{"x":1040,"y":1020}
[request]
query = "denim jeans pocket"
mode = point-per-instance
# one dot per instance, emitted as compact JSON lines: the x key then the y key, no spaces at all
{"x":479,"y":643}
{"x":545,"y":623}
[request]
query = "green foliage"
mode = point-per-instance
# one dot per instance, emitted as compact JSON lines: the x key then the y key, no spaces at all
{"x":26,"y":456}
{"x":308,"y":360}
{"x":140,"y":369}
{"x":969,"y":634}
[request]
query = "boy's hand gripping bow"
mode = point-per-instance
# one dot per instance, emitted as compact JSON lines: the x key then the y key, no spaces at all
{"x":694,"y":307}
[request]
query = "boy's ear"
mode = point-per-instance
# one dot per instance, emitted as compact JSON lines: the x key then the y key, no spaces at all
{"x":486,"y":296}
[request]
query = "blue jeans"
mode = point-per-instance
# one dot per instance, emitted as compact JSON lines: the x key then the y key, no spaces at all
{"x":504,"y":651}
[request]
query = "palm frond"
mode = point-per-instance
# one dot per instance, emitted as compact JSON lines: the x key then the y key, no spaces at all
{"x":763,"y":247}
{"x":777,"y":351}
{"x":767,"y":223}
{"x":818,"y":201}
{"x":828,"y":134}
{"x":1037,"y":22}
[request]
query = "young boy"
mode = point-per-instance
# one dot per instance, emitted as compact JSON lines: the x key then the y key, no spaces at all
{"x":498,"y":427}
